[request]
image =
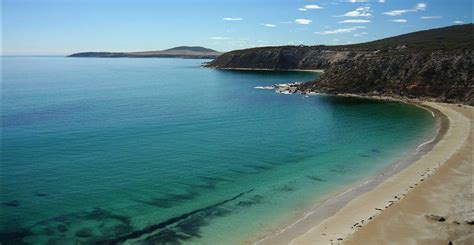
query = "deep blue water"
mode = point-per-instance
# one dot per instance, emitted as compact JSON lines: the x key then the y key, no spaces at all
{"x":162,"y":150}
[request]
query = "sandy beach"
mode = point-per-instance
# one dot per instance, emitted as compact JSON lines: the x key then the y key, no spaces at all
{"x":447,"y":194}
{"x":392,"y":208}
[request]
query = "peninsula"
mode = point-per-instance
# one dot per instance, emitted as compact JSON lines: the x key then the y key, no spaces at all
{"x":186,"y":52}
{"x":431,"y":65}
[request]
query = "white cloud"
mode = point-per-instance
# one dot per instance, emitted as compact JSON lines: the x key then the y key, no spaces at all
{"x":269,"y":25}
{"x":418,"y":7}
{"x":355,"y":21}
{"x":342,"y":30}
{"x":302,"y":9}
{"x":313,"y":6}
{"x":303,"y":21}
{"x":336,"y":40}
{"x":397,"y":12}
{"x":430,"y":17}
{"x":399,"y":20}
{"x":381,"y":1}
{"x":360,"y":34}
{"x":421,"y":6}
{"x":220,"y":38}
{"x":359,"y":12}
{"x":458,"y":22}
{"x":232,"y":19}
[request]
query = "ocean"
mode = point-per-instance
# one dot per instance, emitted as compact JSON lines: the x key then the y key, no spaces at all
{"x":163,"y":151}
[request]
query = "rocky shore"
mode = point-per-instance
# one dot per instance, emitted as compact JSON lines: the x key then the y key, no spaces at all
{"x":283,"y":88}
{"x":432,"y":65}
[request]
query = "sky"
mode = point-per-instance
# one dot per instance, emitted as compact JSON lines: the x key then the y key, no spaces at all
{"x":61,"y":27}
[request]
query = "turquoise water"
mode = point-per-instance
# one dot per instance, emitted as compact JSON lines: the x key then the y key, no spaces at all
{"x":166,"y":152}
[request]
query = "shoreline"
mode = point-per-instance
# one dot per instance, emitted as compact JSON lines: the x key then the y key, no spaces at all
{"x":366,"y":206}
{"x":298,"y":232}
{"x":265,"y":69}
{"x":439,"y":210}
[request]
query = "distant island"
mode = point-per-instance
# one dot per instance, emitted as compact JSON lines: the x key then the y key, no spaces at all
{"x":187,"y":52}
{"x":432,"y":65}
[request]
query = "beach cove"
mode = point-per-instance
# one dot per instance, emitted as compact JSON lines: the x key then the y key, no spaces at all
{"x":405,"y":207}
{"x":133,"y":150}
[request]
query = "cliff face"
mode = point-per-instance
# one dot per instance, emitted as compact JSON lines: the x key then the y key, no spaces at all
{"x":433,"y":64}
{"x":280,"y":58}
{"x":443,"y":76}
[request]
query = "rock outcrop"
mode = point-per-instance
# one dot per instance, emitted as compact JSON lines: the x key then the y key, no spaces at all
{"x":434,"y":64}
{"x":442,"y":76}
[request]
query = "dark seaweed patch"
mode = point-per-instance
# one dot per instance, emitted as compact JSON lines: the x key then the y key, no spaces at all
{"x":364,"y":155}
{"x":14,"y":237}
{"x":245,"y":203}
{"x":12,"y":203}
{"x":62,"y":228}
{"x":84,"y":232}
{"x":48,"y":231}
{"x":287,"y":188}
{"x":59,"y":225}
{"x":256,"y":199}
{"x":219,"y":212}
{"x":100,"y":214}
{"x":375,"y":150}
{"x":41,"y":194}
{"x":170,"y":200}
{"x":116,"y":230}
{"x":315,"y":178}
{"x":168,"y":236}
{"x":192,"y":225}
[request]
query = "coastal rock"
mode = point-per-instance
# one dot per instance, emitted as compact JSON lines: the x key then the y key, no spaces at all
{"x":435,"y":217}
{"x":439,"y":75}
{"x":431,"y":65}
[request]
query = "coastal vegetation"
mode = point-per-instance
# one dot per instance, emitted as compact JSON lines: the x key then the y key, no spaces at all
{"x":433,"y":65}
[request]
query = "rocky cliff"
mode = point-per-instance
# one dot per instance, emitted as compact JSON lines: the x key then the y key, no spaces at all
{"x":434,"y":64}
{"x":281,"y":58}
{"x":441,"y":75}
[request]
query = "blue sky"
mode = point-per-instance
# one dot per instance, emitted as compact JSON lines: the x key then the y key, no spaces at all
{"x":59,"y":27}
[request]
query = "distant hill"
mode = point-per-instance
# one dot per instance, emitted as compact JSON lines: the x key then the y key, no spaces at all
{"x":432,"y":64}
{"x":191,"y":48}
{"x":177,"y":52}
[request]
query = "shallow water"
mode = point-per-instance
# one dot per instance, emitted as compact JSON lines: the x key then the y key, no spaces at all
{"x":164,"y":151}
